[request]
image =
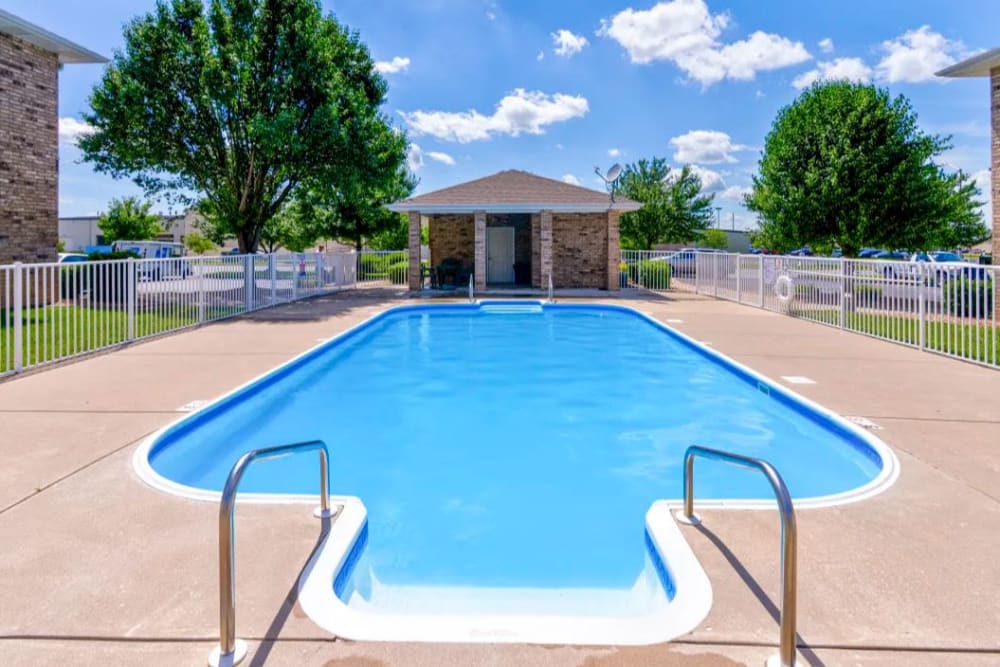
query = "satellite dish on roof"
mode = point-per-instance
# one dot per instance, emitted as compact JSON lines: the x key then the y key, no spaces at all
{"x":609,"y":181}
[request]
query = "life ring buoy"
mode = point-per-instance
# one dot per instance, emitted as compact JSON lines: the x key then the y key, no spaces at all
{"x":784,"y":289}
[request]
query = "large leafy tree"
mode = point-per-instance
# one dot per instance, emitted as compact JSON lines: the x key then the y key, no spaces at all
{"x":129,"y":219}
{"x":242,"y":103}
{"x":356,"y":211}
{"x":846,"y":164}
{"x":674,"y":209}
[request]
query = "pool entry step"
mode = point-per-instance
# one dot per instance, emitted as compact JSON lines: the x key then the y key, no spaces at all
{"x":510,"y":307}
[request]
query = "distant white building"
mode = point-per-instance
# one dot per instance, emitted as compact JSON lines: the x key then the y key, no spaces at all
{"x":77,"y":233}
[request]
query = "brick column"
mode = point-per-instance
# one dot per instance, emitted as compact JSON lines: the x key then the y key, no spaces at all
{"x":480,"y":249}
{"x":414,"y":269}
{"x":545,"y":248}
{"x":536,"y":250}
{"x":995,"y":172}
{"x":614,"y":251}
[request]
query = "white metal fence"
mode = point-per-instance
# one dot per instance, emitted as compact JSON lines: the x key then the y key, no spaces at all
{"x":946,"y":308}
{"x":383,"y":267}
{"x":51,"y":312}
{"x":654,"y":270}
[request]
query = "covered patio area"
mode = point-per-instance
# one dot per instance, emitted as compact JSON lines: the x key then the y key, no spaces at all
{"x":515,"y":230}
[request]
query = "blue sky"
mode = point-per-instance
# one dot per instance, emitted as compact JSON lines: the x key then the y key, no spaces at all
{"x":558,"y":88}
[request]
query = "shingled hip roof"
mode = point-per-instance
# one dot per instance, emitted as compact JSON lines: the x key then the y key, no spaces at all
{"x":514,"y":191}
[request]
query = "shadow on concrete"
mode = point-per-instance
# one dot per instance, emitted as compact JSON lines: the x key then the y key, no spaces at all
{"x":271,"y":635}
{"x":807,"y":654}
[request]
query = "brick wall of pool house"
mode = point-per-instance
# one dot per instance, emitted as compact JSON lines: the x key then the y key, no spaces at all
{"x":579,"y":250}
{"x":29,"y":152}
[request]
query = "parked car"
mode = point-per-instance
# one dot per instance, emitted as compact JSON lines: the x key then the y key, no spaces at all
{"x":71,"y":257}
{"x":804,"y":251}
{"x":891,"y":255}
{"x":865,"y":253}
{"x":952,"y":265}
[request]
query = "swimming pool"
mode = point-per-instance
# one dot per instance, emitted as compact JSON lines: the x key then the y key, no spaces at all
{"x":503,"y":462}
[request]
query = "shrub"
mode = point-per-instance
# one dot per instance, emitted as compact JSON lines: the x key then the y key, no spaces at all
{"x":399,"y":272}
{"x":651,"y":273}
{"x":968,"y":297}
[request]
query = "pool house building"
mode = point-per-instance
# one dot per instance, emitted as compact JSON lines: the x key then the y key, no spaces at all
{"x":515,"y":229}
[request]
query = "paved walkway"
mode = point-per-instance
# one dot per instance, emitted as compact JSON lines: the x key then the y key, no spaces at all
{"x":99,"y":569}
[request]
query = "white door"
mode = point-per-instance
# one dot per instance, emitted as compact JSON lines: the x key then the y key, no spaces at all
{"x":500,"y":255}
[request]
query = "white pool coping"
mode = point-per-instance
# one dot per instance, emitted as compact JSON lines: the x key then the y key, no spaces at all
{"x":693,"y":594}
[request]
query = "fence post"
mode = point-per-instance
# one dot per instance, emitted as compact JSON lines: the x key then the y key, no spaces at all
{"x":249,"y":282}
{"x":843,"y":294}
{"x":922,"y":305}
{"x":739,"y":279}
{"x":760,"y":280}
{"x":201,"y":290}
{"x":715,"y":274}
{"x":272,"y":275}
{"x":295,"y":277}
{"x":130,"y":298}
{"x":18,"y":314}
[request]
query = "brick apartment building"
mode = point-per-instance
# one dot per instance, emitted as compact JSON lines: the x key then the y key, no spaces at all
{"x":30,"y":58}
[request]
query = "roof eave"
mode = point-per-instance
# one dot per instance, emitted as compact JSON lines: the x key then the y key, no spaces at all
{"x":977,"y":66}
{"x":68,"y":53}
{"x":432,"y":209}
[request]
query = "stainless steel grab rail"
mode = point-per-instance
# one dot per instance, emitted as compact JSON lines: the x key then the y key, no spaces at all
{"x":472,"y":289}
{"x":230,"y":650}
{"x":551,"y":299}
{"x":786,"y":654}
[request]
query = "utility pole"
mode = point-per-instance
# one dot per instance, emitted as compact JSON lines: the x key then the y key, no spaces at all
{"x":718,"y":217}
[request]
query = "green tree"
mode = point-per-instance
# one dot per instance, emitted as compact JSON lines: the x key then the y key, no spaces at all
{"x":198,"y":243}
{"x":714,"y":238}
{"x":289,"y":229}
{"x":846,"y":165}
{"x":673,"y":206}
{"x":397,"y":237}
{"x":241,"y":102}
{"x":356,"y":211}
{"x":129,"y":219}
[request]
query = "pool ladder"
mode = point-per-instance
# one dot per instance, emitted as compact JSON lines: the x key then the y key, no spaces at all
{"x":789,"y":538}
{"x":232,"y":651}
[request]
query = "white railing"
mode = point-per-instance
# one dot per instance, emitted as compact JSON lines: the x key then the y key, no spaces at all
{"x":653,"y":270}
{"x":946,"y":308}
{"x":383,"y":267}
{"x":52,"y":312}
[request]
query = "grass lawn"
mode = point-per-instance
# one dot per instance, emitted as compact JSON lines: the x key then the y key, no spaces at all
{"x":980,"y":342}
{"x":58,"y":331}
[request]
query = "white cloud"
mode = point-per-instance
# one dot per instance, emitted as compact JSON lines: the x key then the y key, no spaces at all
{"x":414,"y":157}
{"x":571,"y":179}
{"x":840,"y":69}
{"x":736,"y":192}
{"x":982,"y":179}
{"x":397,"y":64}
{"x":72,"y":130}
{"x":916,"y":55}
{"x":826,"y":45}
{"x":540,"y":56}
{"x":614,"y":152}
{"x":711,"y":181}
{"x":687,"y":34}
{"x":705,"y":147}
{"x":444,"y":158}
{"x":521,"y":111}
{"x":567,"y":44}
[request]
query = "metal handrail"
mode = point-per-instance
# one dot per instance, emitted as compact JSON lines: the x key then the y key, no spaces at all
{"x":550,"y":289}
{"x":231,"y":651}
{"x":786,"y":655}
{"x":472,"y":291}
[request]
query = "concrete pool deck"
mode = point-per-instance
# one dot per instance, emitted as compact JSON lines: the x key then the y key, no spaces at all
{"x":97,"y":568}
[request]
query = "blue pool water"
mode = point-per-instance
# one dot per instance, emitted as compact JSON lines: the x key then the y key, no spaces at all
{"x":513,"y":449}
